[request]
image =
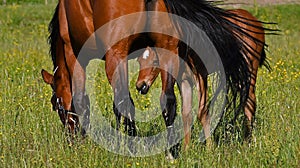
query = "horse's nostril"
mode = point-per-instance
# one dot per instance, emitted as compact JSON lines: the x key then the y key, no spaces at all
{"x":142,"y":88}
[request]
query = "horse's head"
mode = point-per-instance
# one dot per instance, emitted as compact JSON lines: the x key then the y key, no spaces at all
{"x":149,"y":70}
{"x":61,"y":99}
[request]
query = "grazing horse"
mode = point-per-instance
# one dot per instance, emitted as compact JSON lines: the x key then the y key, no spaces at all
{"x":75,"y":22}
{"x":151,"y":64}
{"x":60,"y":81}
{"x":63,"y":82}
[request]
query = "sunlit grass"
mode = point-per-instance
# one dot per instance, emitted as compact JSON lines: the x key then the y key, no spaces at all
{"x":31,"y":134}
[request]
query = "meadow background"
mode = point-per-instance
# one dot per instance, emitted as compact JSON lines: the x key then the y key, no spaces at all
{"x":31,"y":134}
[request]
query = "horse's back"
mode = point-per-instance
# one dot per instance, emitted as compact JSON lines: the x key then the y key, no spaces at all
{"x":118,"y":19}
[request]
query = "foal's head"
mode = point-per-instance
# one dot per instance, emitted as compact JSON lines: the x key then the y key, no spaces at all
{"x":149,"y":70}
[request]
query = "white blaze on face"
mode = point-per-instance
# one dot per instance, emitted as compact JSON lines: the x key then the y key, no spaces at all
{"x":146,"y":54}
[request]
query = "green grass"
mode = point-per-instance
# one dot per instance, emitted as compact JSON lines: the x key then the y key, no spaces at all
{"x":31,"y":134}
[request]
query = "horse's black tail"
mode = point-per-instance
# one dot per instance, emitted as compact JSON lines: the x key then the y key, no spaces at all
{"x":231,"y":50}
{"x":263,"y":60}
{"x":53,"y":30}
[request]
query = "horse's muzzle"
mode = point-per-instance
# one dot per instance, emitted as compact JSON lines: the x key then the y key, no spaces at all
{"x":143,"y":88}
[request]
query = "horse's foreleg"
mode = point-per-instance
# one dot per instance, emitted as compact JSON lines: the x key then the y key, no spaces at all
{"x":81,"y":101}
{"x":168,"y":106}
{"x":118,"y":116}
{"x":62,"y":89}
{"x":117,"y":74}
{"x":77,"y":74}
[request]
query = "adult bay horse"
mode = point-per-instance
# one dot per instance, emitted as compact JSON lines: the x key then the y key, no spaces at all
{"x":75,"y":22}
{"x":151,"y":64}
{"x":63,"y":82}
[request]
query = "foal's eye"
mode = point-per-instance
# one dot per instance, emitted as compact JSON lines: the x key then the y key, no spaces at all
{"x":146,"y":54}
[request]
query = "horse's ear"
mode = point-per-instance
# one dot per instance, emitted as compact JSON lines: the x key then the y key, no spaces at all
{"x":47,"y":77}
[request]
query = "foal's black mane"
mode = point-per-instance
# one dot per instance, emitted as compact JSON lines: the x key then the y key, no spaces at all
{"x":53,"y":29}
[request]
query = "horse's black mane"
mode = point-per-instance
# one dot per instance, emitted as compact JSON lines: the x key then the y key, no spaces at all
{"x":53,"y":29}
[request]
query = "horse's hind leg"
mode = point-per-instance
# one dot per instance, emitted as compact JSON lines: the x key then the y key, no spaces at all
{"x":168,"y":106}
{"x":250,"y":107}
{"x":186,"y":95}
{"x":203,"y":115}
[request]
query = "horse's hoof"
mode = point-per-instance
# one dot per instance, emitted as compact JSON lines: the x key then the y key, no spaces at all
{"x":170,"y":157}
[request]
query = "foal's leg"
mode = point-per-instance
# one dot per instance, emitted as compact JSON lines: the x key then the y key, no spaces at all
{"x":168,"y":106}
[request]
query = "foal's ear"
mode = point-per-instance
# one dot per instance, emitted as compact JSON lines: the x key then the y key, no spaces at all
{"x":47,"y":77}
{"x":151,"y":50}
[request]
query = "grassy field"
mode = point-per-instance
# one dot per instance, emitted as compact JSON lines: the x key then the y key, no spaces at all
{"x":31,"y":134}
